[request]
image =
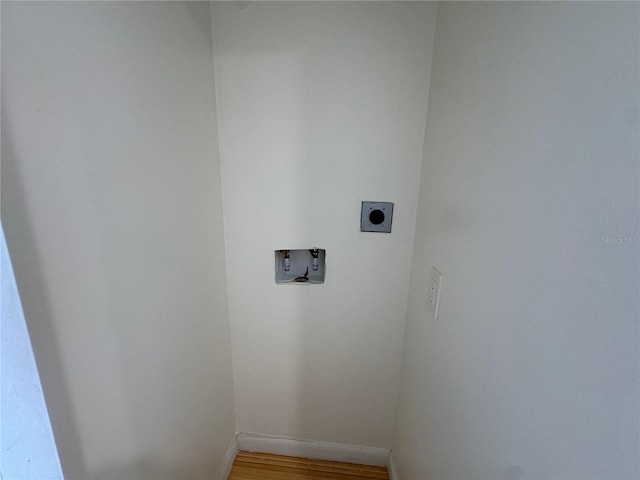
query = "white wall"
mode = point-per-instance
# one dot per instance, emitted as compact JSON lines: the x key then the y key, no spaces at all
{"x":111,"y":205}
{"x":529,"y":190}
{"x":320,"y":106}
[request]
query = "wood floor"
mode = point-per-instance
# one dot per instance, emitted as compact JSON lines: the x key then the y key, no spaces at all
{"x":265,"y":466}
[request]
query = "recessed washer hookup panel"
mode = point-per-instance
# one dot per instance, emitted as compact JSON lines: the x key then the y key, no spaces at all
{"x":302,"y":265}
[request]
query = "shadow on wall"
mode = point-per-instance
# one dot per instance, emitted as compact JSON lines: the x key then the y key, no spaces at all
{"x":28,"y":446}
{"x":20,"y":240}
{"x":151,"y":469}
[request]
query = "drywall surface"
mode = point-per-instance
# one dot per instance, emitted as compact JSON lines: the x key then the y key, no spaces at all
{"x":529,"y":206}
{"x":321,"y":105}
{"x":112,"y":212}
{"x":28,"y":449}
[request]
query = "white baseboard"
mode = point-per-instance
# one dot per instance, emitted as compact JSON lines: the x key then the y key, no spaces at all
{"x":229,"y":456}
{"x":391,"y":468}
{"x":338,"y":452}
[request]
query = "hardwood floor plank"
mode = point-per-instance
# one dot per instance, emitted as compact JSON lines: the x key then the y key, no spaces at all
{"x":271,"y":457}
{"x":265,"y":466}
{"x":314,"y":466}
{"x":288,"y":460}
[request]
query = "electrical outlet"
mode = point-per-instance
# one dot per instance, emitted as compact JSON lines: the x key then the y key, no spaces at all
{"x":435,"y":283}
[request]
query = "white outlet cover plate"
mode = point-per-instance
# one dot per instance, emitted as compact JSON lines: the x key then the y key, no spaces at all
{"x":435,"y":284}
